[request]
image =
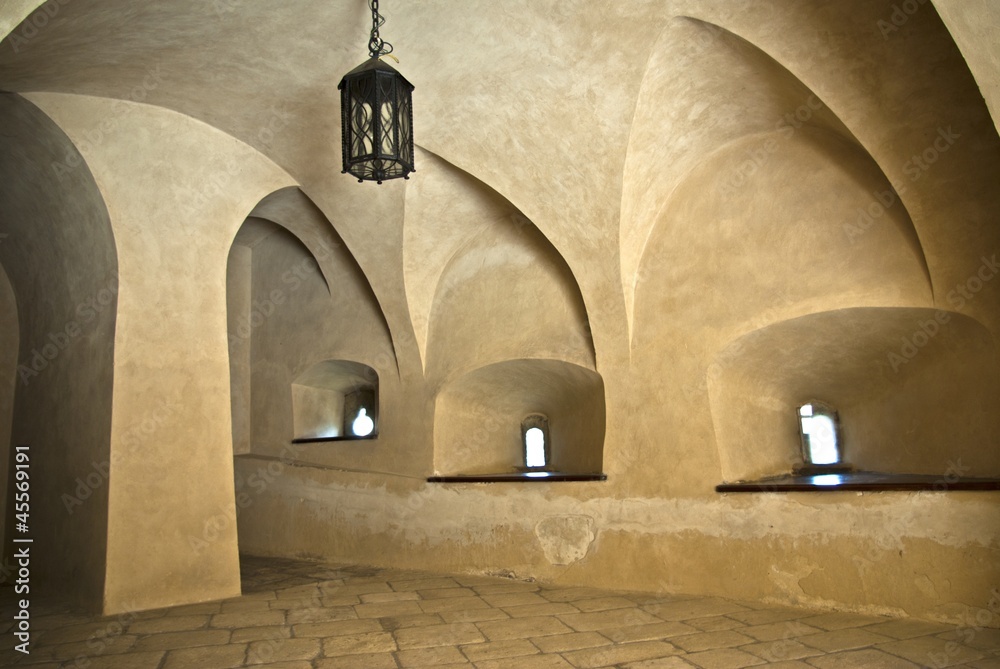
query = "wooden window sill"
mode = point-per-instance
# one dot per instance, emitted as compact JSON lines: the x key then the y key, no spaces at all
{"x":517,"y":477}
{"x":317,"y":440}
{"x":860,"y":482}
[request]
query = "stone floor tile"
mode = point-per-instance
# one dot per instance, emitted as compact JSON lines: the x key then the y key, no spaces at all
{"x":336,"y":628}
{"x":207,"y":608}
{"x":843,"y":639}
{"x":571,"y":594}
{"x":495,"y":650}
{"x":986,"y":663}
{"x":71,"y":633}
{"x":172,"y":640}
{"x":649,"y":632}
{"x":248,"y":619}
{"x":724,"y":658}
{"x":360,"y":661}
{"x":505,"y":587}
{"x":547,"y":609}
{"x":522,"y":628}
{"x":92,"y":648}
{"x":559,"y":643}
{"x":430,"y":657}
{"x":279,"y":650}
{"x":693,"y":608}
{"x":358,"y":644}
{"x":907,"y":628}
{"x":356,"y":589}
{"x":322,"y":614}
{"x":693,"y":643}
{"x":393,"y":623}
{"x":168,"y":624}
{"x":619,"y":654}
{"x":249,"y":634}
{"x":424,"y":584}
{"x":591,"y":605}
{"x":841,"y":620}
{"x":984,"y":638}
{"x":297,"y":664}
{"x":438,"y":635}
{"x":529,"y":662}
{"x":673,"y":662}
{"x":765,"y":616}
{"x":244,"y":605}
{"x":715,"y":623}
{"x":382,"y":597}
{"x":781,"y":649}
{"x":386,"y":609}
{"x":446,"y":593}
{"x":931,"y":651}
{"x":473,"y":615}
{"x":514,"y":599}
{"x":783,"y":630}
{"x":587,"y":622}
{"x":452,"y":604}
{"x":152,"y":660}
{"x":217,"y":657}
{"x":869,"y":658}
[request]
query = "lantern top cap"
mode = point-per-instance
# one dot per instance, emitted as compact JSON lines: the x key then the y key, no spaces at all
{"x":373,"y":64}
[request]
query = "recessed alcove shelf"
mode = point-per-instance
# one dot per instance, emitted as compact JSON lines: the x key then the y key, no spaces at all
{"x":518,"y":477}
{"x":861,"y":482}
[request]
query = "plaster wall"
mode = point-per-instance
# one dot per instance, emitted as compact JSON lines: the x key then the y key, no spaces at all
{"x":8,"y":375}
{"x":171,"y":435}
{"x":58,"y":250}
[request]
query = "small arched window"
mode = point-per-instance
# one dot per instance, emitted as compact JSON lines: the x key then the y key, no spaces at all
{"x":535,"y":442}
{"x":819,"y":429}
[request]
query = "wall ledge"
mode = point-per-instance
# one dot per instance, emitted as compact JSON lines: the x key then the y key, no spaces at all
{"x":861,"y":482}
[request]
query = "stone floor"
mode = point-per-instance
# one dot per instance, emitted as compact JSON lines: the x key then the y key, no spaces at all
{"x":297,"y":615}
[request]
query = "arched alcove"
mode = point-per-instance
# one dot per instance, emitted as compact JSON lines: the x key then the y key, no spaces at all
{"x":913,"y":387}
{"x":478,"y":417}
{"x":58,"y":249}
{"x":510,"y":281}
{"x":327,"y":398}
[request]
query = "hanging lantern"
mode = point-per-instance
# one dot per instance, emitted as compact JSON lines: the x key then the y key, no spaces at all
{"x":376,"y":114}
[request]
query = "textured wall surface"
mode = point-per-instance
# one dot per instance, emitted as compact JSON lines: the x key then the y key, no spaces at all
{"x":663,"y":224}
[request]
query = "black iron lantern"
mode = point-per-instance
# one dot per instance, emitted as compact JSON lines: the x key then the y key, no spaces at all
{"x":376,"y":114}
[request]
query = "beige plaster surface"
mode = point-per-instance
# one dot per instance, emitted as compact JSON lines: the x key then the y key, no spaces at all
{"x":172,"y":229}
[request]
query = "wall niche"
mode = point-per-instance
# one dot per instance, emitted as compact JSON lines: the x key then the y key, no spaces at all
{"x":331,"y":400}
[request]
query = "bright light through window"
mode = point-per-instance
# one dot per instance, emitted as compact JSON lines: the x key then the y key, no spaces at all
{"x":534,"y":447}
{"x":362,"y":425}
{"x":819,"y":435}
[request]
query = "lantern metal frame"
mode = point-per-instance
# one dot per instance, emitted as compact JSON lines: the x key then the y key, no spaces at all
{"x":376,"y":111}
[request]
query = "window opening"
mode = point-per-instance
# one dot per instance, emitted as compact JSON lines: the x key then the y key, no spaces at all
{"x":819,"y":430}
{"x":535,"y":441}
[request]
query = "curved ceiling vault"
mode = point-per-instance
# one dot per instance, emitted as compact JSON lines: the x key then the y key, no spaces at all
{"x":732,"y":100}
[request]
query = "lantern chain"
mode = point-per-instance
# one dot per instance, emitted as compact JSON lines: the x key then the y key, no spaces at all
{"x":376,"y":45}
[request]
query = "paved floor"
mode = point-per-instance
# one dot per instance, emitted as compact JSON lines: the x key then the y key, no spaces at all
{"x":297,"y":615}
